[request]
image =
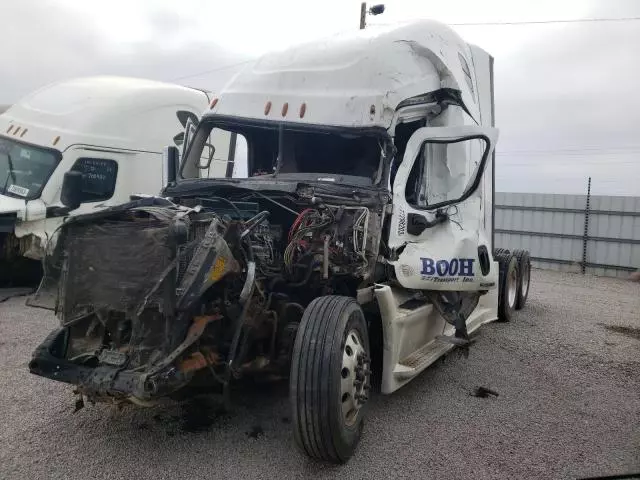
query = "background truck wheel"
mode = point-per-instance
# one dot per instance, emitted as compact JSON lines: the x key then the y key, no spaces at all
{"x":500,"y":251}
{"x":330,"y":378}
{"x":508,"y":285}
{"x":524,"y":277}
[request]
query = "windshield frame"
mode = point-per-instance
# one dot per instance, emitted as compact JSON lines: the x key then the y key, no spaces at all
{"x":57,"y":154}
{"x":235,"y":124}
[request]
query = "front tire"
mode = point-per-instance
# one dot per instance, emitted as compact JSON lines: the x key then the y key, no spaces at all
{"x":330,"y":378}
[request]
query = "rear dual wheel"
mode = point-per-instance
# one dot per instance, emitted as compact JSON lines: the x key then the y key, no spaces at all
{"x":524,"y":277}
{"x":330,"y":378}
{"x":507,"y":284}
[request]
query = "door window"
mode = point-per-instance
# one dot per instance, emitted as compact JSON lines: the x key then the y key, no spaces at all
{"x":98,"y":178}
{"x":443,"y":171}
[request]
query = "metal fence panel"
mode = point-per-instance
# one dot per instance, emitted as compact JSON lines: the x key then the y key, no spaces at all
{"x":552,"y":228}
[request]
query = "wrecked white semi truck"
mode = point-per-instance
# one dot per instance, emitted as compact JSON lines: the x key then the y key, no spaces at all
{"x":359,"y":245}
{"x":108,"y":129}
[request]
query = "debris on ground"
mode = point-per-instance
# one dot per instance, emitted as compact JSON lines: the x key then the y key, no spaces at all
{"x":484,"y":392}
{"x":79,"y":405}
{"x":199,"y":414}
{"x":255,"y":432}
{"x":630,"y":332}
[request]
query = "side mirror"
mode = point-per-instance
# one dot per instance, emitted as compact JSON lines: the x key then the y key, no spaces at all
{"x":170,"y":164}
{"x":71,"y":194}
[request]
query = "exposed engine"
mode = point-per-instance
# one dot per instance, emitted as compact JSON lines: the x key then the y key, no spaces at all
{"x":154,"y":297}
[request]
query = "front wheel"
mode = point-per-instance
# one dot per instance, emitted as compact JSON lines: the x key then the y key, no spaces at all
{"x":330,"y":378}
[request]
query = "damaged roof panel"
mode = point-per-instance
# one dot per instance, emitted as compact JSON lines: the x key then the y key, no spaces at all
{"x":355,"y":79}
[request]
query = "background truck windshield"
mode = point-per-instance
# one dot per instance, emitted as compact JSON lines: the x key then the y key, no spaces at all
{"x":24,"y":169}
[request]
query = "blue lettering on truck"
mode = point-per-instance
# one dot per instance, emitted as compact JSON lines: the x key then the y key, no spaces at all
{"x":456,"y":267}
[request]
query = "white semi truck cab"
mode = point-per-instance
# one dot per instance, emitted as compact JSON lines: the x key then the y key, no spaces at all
{"x":359,"y":240}
{"x":109,"y":129}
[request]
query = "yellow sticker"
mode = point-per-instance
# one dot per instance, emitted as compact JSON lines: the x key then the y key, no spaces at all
{"x":218,"y":270}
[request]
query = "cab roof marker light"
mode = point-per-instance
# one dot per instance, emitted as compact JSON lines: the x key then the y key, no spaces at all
{"x":285,"y":109}
{"x":23,"y":132}
{"x":267,"y":107}
{"x":9,"y":129}
{"x":303,"y":110}
{"x":16,"y":131}
{"x":56,"y":140}
{"x":213,"y":103}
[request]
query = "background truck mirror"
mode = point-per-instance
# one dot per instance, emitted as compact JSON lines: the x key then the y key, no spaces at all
{"x":170,"y":164}
{"x":71,"y":194}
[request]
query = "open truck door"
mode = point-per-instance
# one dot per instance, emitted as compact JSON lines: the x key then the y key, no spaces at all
{"x":437,"y":229}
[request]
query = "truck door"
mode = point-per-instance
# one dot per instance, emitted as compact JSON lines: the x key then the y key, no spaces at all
{"x":437,"y":233}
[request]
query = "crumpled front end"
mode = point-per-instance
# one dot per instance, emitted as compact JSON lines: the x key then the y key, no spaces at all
{"x":127,"y":285}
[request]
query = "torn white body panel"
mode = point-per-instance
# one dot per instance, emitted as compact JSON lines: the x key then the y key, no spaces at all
{"x":454,"y":265}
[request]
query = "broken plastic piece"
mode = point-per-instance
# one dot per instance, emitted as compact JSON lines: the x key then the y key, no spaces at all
{"x":79,"y":404}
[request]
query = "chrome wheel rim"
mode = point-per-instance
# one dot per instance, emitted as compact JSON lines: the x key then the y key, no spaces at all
{"x":355,"y":373}
{"x":512,"y":287}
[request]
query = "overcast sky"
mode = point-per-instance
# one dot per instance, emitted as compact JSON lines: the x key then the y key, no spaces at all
{"x":567,"y":99}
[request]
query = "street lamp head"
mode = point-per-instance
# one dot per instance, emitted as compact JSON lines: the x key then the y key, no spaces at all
{"x":377,"y":9}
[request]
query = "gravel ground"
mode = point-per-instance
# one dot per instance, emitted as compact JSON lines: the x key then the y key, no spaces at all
{"x":567,"y":371}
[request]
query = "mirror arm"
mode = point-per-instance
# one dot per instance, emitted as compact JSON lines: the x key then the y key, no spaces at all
{"x":441,"y":217}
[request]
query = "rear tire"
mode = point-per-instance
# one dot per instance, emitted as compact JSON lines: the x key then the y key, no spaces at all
{"x":524,"y":277}
{"x":507,"y":285}
{"x":330,"y":378}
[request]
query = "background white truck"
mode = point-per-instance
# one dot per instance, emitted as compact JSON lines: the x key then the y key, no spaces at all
{"x":110,"y":129}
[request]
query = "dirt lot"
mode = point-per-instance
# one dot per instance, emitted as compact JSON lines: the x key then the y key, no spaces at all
{"x":567,"y":371}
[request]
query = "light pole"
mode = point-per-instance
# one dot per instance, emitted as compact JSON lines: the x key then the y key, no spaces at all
{"x":375,"y":10}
